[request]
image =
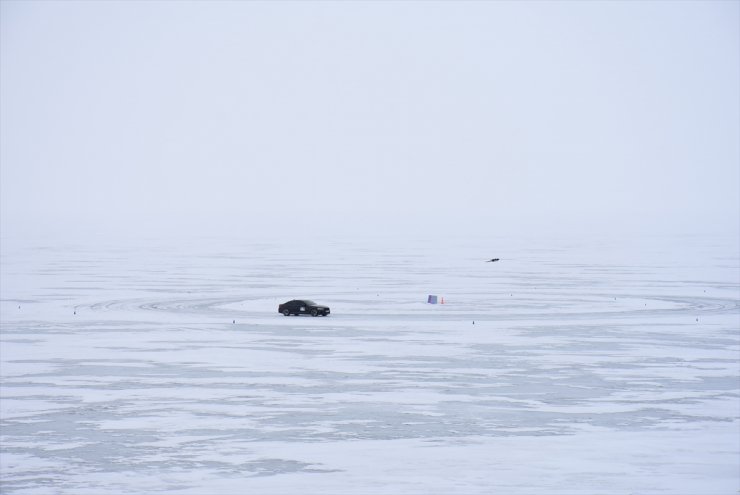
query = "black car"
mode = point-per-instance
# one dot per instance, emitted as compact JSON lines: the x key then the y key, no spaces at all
{"x":303,"y":307}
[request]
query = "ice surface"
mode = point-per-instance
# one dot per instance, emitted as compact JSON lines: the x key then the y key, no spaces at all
{"x":589,"y":366}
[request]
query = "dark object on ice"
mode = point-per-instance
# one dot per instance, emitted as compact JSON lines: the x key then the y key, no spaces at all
{"x":303,"y":307}
{"x":492,"y":260}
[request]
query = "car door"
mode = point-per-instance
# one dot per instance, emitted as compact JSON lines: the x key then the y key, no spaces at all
{"x":294,"y":306}
{"x":302,"y":307}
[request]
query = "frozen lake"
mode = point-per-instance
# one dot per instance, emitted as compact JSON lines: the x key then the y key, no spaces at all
{"x":569,"y":367}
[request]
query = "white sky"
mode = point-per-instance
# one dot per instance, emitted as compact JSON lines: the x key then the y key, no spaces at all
{"x":249,"y":116}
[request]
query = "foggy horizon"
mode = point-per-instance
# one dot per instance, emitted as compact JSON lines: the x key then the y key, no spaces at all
{"x":241,"y":118}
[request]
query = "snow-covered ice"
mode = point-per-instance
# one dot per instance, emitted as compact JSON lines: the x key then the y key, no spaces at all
{"x":569,"y":367}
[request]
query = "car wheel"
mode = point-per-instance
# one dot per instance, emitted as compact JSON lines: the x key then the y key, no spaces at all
{"x":314,"y":312}
{"x":286,"y":312}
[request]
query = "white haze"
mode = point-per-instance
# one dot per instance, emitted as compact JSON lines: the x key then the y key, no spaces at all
{"x":241,"y":117}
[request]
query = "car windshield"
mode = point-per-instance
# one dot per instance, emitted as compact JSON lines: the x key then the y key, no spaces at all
{"x":309,"y":302}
